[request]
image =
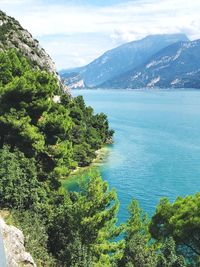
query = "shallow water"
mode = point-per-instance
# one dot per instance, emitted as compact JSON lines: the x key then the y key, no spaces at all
{"x":156,"y":152}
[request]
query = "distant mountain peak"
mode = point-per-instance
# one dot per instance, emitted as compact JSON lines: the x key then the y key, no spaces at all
{"x":176,"y":66}
{"x":122,"y":59}
{"x":180,"y":36}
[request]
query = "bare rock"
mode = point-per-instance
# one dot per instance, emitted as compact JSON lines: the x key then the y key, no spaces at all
{"x":12,"y":35}
{"x":15,"y":251}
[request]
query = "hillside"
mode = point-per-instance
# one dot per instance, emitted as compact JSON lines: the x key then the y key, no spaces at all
{"x":176,"y":66}
{"x":119,"y":60}
{"x":12,"y":35}
{"x":45,"y":135}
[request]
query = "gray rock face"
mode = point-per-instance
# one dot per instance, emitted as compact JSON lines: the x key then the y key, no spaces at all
{"x":12,"y":35}
{"x":15,"y":251}
{"x":2,"y":253}
{"x":73,"y":80}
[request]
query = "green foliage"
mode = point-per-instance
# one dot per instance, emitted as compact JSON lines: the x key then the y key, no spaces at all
{"x":36,"y":237}
{"x":139,"y":250}
{"x":181,"y":220}
{"x":19,"y":187}
{"x":4,"y":30}
{"x":83,"y":154}
{"x":41,"y":140}
{"x":11,"y":66}
{"x":168,"y":256}
{"x":84,"y":230}
{"x":60,"y":135}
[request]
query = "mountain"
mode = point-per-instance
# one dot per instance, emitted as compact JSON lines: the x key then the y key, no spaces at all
{"x":73,"y":80}
{"x":176,"y":66}
{"x":12,"y":35}
{"x":121,"y":59}
{"x":66,"y":72}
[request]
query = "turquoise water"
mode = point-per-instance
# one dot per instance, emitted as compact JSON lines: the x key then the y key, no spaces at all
{"x":156,"y":152}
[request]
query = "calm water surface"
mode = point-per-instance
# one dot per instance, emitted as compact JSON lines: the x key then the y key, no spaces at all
{"x":156,"y":152}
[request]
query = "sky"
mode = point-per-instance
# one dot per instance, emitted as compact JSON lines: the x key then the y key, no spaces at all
{"x":75,"y":32}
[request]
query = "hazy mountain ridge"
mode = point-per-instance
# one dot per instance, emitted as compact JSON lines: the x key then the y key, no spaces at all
{"x":176,"y":66}
{"x":72,"y":78}
{"x":121,"y":59}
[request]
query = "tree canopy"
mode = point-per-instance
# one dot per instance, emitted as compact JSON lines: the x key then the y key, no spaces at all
{"x":60,"y":134}
{"x":45,"y":134}
{"x":181,"y":220}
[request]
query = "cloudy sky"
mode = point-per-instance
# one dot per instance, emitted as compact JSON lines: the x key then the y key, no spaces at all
{"x":74,"y":32}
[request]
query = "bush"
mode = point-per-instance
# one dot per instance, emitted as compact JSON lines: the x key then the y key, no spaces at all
{"x":19,"y":187}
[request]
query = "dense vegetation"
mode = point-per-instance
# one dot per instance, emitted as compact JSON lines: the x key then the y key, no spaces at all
{"x":44,"y":135}
{"x":45,"y":123}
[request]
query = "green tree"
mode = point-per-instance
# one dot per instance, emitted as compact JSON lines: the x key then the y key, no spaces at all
{"x":18,"y":131}
{"x":83,"y":154}
{"x":34,"y":230}
{"x":168,"y":256}
{"x":139,"y":248}
{"x":181,"y":220}
{"x":6,"y":69}
{"x":19,"y":187}
{"x":88,"y":226}
{"x":60,"y":135}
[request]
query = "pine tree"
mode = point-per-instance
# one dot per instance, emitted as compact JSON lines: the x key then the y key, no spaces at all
{"x":90,"y":221}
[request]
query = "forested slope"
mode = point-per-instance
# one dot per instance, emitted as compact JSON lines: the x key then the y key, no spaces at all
{"x":44,"y":135}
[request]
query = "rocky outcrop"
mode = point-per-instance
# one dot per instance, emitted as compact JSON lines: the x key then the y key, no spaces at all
{"x":15,"y":251}
{"x":72,"y":80}
{"x":12,"y":35}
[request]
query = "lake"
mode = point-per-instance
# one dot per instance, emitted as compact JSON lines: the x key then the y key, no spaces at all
{"x":156,"y":150}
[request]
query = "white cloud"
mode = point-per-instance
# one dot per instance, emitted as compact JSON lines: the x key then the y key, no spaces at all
{"x":76,"y":49}
{"x":123,"y":22}
{"x":123,"y":35}
{"x":131,"y":16}
{"x":14,"y":2}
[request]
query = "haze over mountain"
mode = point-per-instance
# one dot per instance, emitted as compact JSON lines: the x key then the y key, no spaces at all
{"x":119,"y":60}
{"x":177,"y":66}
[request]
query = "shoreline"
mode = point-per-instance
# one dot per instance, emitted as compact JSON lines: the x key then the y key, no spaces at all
{"x":101,"y":155}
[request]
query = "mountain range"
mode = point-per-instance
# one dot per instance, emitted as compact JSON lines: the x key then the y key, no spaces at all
{"x":176,"y":66}
{"x":168,"y":60}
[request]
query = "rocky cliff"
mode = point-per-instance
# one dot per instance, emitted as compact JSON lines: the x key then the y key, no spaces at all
{"x":13,"y":240}
{"x":12,"y":35}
